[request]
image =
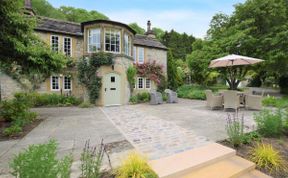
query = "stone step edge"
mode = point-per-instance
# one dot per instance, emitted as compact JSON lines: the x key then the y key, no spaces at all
{"x":183,"y":163}
{"x":232,"y":167}
{"x":255,"y":174}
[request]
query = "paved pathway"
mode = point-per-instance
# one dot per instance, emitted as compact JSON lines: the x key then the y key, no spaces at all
{"x":151,"y":135}
{"x":70,"y":126}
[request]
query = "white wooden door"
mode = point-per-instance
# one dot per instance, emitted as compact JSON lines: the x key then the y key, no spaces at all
{"x":112,"y":92}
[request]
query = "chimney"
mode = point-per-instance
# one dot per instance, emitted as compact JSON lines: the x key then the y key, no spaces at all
{"x":28,"y":10}
{"x":28,"y":4}
{"x":150,"y":33}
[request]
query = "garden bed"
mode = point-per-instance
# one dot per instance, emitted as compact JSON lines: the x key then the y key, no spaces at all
{"x":25,"y":130}
{"x":279,"y":144}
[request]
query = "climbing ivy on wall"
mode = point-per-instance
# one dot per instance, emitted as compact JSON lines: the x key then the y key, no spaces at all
{"x":153,"y":71}
{"x":87,"y":72}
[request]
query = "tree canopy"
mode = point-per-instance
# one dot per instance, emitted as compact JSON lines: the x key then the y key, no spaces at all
{"x":44,"y":8}
{"x":137,"y":28}
{"x":257,"y":28}
{"x":23,"y":55}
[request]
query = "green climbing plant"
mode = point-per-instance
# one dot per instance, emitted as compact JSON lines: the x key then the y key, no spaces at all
{"x":87,"y":72}
{"x":131,"y":74}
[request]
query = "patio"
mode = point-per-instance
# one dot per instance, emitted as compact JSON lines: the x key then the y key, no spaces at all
{"x":187,"y":124}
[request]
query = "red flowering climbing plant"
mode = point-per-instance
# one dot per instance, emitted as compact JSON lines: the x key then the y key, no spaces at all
{"x":153,"y":71}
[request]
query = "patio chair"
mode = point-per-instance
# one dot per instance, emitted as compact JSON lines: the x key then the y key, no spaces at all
{"x":213,"y":101}
{"x":155,"y":97}
{"x":253,"y":102}
{"x":231,"y":100}
{"x":172,"y":96}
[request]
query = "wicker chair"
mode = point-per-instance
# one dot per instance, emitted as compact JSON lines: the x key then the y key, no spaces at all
{"x":231,"y":100}
{"x":253,"y":102}
{"x":213,"y":101}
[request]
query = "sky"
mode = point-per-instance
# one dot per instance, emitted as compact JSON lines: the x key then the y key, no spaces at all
{"x":190,"y":16}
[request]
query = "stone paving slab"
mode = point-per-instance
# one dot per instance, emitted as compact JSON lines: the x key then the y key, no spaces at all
{"x":70,"y":126}
{"x":152,"y":135}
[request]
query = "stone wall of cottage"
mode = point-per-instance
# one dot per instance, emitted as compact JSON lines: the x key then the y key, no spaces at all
{"x":158,"y":55}
{"x":8,"y":86}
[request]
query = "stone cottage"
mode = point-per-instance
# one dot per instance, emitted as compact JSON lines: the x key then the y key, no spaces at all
{"x":79,"y":40}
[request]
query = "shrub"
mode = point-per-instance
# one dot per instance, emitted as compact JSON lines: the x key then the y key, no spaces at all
{"x":91,"y":160}
{"x":12,"y":130}
{"x":235,"y":130}
{"x":143,"y":97}
{"x":248,"y":138}
{"x":17,"y":110}
{"x":191,"y":92}
{"x":133,"y":100}
{"x":270,"y":123}
{"x":140,"y":98}
{"x":47,"y":99}
{"x":135,"y":166}
{"x":85,"y":104}
{"x":265,"y":156}
{"x":275,"y":102}
{"x":40,"y":161}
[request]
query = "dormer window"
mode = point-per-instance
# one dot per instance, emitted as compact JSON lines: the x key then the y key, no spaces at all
{"x":112,"y":40}
{"x":94,"y":40}
{"x":127,"y":45}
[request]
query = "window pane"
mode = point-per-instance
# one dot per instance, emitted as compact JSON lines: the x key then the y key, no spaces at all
{"x":148,"y":83}
{"x":94,"y":42}
{"x":55,"y":83}
{"x":140,"y":83}
{"x":112,"y":40}
{"x":141,"y":55}
{"x":67,"y":83}
{"x":67,"y":46}
{"x":134,"y":54}
{"x":54,"y":43}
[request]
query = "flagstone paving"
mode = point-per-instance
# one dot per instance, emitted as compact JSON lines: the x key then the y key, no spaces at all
{"x":152,"y":135}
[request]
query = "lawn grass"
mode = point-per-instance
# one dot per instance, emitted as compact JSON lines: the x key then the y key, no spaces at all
{"x":197,"y":91}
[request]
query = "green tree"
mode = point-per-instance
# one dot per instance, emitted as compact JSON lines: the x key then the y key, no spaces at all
{"x":44,"y":8}
{"x":258,"y":28}
{"x":158,"y":32}
{"x":131,"y":77}
{"x":80,"y":15}
{"x":180,"y":44}
{"x":23,"y":55}
{"x":137,"y":28}
{"x":174,"y":80}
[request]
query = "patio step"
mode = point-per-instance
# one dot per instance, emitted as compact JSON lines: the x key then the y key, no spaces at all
{"x":228,"y":168}
{"x":177,"y":165}
{"x":255,"y":174}
{"x":209,"y":161}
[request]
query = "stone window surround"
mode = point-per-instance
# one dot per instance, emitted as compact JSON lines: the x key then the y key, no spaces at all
{"x":71,"y":44}
{"x":56,"y":84}
{"x":88,"y":41}
{"x":52,"y":42}
{"x":102,"y":27}
{"x":144,"y":83}
{"x":64,"y":84}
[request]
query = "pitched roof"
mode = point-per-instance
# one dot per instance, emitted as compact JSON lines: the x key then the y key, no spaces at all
{"x":144,"y":40}
{"x":71,"y":28}
{"x":58,"y":26}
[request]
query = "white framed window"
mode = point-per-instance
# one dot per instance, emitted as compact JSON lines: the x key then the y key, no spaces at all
{"x":67,"y":46}
{"x":127,"y":45}
{"x":135,"y":54}
{"x":67,"y":83}
{"x":54,"y":42}
{"x":112,"y":40}
{"x":140,"y":55}
{"x":94,"y":40}
{"x":140,"y":82}
{"x":147,"y":83}
{"x":55,"y":83}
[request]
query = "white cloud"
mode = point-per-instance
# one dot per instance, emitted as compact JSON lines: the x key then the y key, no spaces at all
{"x":191,"y":22}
